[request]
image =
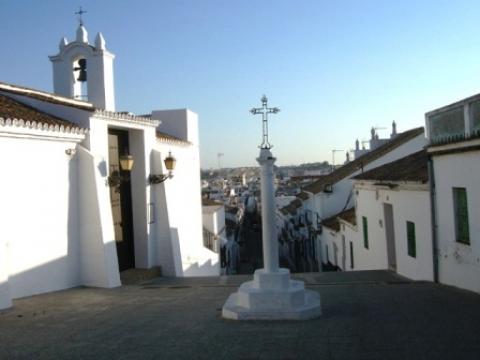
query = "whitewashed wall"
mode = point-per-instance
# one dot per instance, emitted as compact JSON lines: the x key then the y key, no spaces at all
{"x":213,"y":218}
{"x":180,"y":249}
{"x":353,"y":235}
{"x":98,"y":253}
{"x":99,"y":260}
{"x":329,"y":237}
{"x":409,"y":204}
{"x":178,"y":208}
{"x":414,"y":206}
{"x":375,"y":257}
{"x":459,"y":264}
{"x":39,"y":249}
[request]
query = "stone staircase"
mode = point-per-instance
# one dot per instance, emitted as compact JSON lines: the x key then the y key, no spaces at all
{"x":138,"y":276}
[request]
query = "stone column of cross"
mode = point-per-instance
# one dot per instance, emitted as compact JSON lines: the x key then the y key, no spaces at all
{"x":266,"y":161}
{"x":264,"y":111}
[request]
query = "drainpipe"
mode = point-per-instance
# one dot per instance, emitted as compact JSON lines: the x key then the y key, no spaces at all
{"x":433,"y":213}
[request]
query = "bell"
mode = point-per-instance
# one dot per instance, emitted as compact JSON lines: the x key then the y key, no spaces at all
{"x":82,"y":76}
{"x":82,"y":66}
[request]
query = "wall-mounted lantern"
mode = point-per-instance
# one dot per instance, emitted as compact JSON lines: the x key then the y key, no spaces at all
{"x":126,"y":164}
{"x":170,"y":163}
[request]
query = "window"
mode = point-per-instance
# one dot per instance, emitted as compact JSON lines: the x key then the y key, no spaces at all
{"x":411,"y":240}
{"x":461,"y":215}
{"x":365,"y":232}
{"x":351,"y":255}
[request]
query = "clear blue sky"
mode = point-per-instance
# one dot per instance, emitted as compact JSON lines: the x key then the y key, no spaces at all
{"x":335,"y":68}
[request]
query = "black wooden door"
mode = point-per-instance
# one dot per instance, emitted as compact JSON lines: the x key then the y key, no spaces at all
{"x":121,"y":200}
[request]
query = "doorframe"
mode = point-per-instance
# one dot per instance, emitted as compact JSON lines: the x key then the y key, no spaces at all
{"x":126,"y":211}
{"x":389,"y":224}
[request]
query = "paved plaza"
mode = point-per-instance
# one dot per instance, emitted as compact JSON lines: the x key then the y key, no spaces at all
{"x":366,"y":315}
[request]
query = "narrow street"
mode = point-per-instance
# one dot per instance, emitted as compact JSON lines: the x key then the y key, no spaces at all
{"x":251,"y":253}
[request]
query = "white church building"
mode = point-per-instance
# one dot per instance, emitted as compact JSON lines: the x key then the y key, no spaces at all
{"x":87,"y":192}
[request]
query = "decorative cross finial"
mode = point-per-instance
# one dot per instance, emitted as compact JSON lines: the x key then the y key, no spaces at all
{"x":79,"y":14}
{"x":265,"y":110}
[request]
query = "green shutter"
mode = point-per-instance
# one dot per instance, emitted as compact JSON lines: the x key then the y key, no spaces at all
{"x":461,"y":215}
{"x":365,"y":232}
{"x":411,"y":240}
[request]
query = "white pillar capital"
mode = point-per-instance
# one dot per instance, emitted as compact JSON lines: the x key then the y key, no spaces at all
{"x":266,"y":158}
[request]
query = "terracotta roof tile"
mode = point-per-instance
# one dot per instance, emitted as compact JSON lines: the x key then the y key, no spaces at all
{"x":334,"y":223}
{"x":46,"y":96}
{"x":297,"y":203}
{"x":410,"y":168}
{"x":348,"y":169}
{"x":349,"y":216}
{"x":13,"y":109}
{"x":303,"y":195}
{"x":292,"y":210}
{"x":163,"y":136}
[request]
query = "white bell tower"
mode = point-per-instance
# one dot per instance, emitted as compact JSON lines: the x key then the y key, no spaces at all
{"x":83,"y":71}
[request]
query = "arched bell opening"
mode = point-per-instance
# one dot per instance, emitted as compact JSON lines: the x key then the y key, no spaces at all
{"x":80,"y":88}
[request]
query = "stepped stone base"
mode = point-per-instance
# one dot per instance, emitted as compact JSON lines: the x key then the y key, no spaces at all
{"x":272,"y":296}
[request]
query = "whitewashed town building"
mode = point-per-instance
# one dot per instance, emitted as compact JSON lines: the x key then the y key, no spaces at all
{"x":417,"y":215}
{"x":333,"y":194}
{"x":71,"y":214}
{"x":454,"y":152}
{"x":393,"y":213}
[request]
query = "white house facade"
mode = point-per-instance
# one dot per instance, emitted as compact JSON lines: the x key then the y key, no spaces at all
{"x":454,"y":152}
{"x":390,"y":226}
{"x":394,"y":219}
{"x":86,"y":191}
{"x":333,"y":193}
{"x":214,"y":231}
{"x":339,"y":238}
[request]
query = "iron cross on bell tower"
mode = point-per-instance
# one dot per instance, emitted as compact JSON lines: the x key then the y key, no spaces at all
{"x":265,"y":110}
{"x":79,"y":14}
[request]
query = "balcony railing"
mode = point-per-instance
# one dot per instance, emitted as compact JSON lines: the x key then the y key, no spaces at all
{"x":457,"y":122}
{"x":209,"y":240}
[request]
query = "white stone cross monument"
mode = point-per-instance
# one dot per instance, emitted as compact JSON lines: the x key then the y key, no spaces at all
{"x":272,"y":295}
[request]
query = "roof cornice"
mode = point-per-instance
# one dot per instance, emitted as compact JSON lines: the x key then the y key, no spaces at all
{"x":32,"y":129}
{"x":132,"y":119}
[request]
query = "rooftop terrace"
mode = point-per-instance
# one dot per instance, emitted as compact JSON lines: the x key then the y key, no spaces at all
{"x":366,"y":315}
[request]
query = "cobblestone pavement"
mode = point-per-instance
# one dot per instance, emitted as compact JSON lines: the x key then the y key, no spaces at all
{"x":367,"y":315}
